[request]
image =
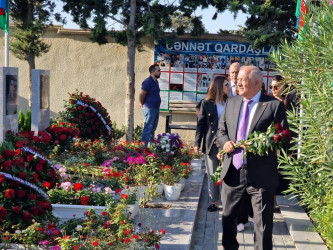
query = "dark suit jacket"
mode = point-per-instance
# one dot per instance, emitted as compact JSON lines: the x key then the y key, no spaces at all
{"x":207,"y":126}
{"x":262,"y":170}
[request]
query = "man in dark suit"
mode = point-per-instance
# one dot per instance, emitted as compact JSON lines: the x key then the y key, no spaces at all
{"x":254,"y":176}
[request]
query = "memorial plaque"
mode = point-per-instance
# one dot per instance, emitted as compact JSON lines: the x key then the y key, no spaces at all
{"x":9,"y":105}
{"x":11,"y":95}
{"x":40,"y":101}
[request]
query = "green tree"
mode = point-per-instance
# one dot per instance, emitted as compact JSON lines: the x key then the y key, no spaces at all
{"x":307,"y":64}
{"x":138,"y":18}
{"x":31,"y":19}
{"x":267,"y":23}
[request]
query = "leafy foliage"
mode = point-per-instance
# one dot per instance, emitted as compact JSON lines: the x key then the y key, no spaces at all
{"x":24,"y":121}
{"x":267,"y":23}
{"x":307,"y":64}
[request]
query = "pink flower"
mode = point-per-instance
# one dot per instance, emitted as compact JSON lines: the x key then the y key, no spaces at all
{"x":66,"y":185}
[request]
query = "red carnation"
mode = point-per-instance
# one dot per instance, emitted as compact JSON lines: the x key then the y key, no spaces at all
{"x":63,"y":137}
{"x":277,"y":138}
{"x":8,"y":153}
{"x":85,"y":200}
{"x":26,"y":216}
{"x":2,"y":178}
{"x":22,"y":175}
{"x":162,"y":231}
{"x":39,"y":167}
{"x":35,"y":210}
{"x":3,"y":213}
{"x":218,"y":183}
{"x":20,"y":193}
{"x":278,"y":127}
{"x":78,"y":186}
{"x":30,"y":157}
{"x":10,"y":193}
{"x":19,"y":144}
{"x":286,"y":134}
{"x":95,"y":244}
{"x":16,"y":209}
{"x":125,"y":196}
{"x":32,"y":197}
{"x":6,"y":165}
{"x":46,"y":184}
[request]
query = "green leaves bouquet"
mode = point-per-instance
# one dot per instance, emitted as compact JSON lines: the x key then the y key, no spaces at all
{"x":259,"y":143}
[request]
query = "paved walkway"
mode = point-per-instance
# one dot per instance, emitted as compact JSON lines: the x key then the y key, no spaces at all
{"x":292,"y":228}
{"x":188,"y":225}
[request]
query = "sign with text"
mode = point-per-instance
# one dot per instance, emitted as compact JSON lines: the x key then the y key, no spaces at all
{"x":188,"y":66}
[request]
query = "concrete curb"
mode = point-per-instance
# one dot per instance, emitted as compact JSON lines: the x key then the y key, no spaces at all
{"x":299,"y":225}
{"x":178,"y":222}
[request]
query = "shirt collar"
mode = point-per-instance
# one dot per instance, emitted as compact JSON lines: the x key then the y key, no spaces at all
{"x":256,"y":98}
{"x":232,"y":84}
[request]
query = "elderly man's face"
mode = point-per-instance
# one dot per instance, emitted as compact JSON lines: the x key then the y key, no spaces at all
{"x":233,"y":72}
{"x":248,"y":86}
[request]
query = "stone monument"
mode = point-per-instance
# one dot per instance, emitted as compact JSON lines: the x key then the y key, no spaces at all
{"x":40,"y":100}
{"x":9,"y":95}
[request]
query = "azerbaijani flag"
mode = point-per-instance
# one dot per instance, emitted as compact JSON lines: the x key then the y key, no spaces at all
{"x":4,"y":15}
{"x":301,"y":10}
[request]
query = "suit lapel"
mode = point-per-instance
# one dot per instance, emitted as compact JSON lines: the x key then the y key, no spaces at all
{"x":261,"y":106}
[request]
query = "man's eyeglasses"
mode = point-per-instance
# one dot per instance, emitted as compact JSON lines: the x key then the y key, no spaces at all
{"x":275,"y":87}
{"x":226,"y":84}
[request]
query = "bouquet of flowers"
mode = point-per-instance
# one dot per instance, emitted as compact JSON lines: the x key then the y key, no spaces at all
{"x":168,"y":143}
{"x":260,"y":144}
{"x":88,"y":115}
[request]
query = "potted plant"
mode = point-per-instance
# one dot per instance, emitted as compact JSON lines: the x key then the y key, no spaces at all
{"x":171,"y":186}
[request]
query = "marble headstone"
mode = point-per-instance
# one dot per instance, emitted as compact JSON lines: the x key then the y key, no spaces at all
{"x":40,"y":99}
{"x":9,"y":100}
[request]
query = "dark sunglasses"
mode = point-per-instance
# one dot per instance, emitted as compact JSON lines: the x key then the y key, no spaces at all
{"x":276,"y":87}
{"x":226,"y":84}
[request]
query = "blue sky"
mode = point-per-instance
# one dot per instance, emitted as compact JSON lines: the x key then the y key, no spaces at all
{"x":224,"y":21}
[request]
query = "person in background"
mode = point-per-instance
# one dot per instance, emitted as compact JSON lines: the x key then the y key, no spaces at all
{"x":150,"y":102}
{"x":197,"y":108}
{"x":233,"y":73}
{"x":281,"y":92}
{"x":210,"y":113}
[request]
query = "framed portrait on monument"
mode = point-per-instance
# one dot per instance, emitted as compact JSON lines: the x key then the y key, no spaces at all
{"x":11,"y":95}
{"x":44,"y":91}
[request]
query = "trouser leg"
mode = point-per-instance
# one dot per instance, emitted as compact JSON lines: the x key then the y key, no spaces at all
{"x":211,"y":163}
{"x":262,"y":202}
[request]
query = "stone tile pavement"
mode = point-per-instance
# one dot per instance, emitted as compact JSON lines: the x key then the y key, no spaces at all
{"x":188,"y":225}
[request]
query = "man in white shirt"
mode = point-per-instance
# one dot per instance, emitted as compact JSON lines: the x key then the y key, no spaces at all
{"x":233,"y":73}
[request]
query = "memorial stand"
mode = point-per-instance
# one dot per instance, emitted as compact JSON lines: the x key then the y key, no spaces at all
{"x":9,"y":97}
{"x":40,"y":101}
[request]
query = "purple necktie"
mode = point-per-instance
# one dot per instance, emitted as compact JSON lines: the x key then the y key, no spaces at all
{"x":237,"y":159}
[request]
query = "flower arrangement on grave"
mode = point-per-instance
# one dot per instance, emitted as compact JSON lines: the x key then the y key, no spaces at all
{"x":167,"y":143}
{"x":113,"y":229}
{"x":184,"y":169}
{"x":83,"y":184}
{"x":88,"y":115}
{"x":169,"y":175}
{"x":260,"y":144}
{"x":62,"y":134}
{"x":24,"y":180}
{"x":39,"y":142}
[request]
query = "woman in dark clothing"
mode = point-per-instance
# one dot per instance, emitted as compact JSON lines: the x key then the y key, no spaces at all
{"x":281,"y":92}
{"x":210,"y":113}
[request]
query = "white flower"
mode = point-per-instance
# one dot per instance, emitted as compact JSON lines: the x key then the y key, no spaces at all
{"x":18,"y":232}
{"x":78,"y":228}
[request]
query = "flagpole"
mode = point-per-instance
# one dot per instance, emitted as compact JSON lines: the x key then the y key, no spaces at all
{"x":7,"y":49}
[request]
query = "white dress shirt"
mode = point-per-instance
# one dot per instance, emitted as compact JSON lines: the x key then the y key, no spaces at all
{"x":232,"y":89}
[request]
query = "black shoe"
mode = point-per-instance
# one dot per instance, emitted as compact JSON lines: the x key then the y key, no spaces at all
{"x":212,"y":208}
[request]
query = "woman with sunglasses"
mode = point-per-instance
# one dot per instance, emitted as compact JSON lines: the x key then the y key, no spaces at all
{"x":210,"y":113}
{"x":281,"y":92}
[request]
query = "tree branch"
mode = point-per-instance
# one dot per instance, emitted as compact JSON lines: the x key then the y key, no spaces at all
{"x":117,"y":20}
